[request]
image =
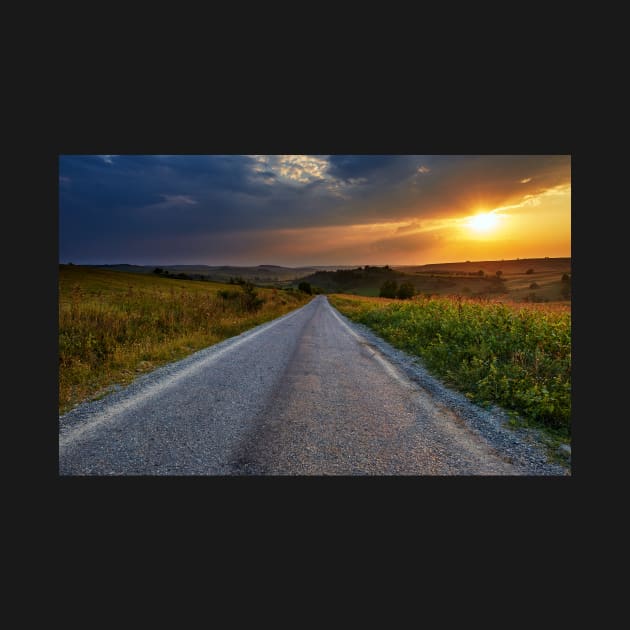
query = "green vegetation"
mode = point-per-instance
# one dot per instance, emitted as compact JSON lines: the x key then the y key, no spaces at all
{"x":305,"y":287}
{"x":517,"y":357}
{"x":405,"y":291}
{"x":115,"y":325}
{"x":388,"y":289}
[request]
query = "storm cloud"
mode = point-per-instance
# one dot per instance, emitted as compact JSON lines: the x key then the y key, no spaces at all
{"x":217,"y":209}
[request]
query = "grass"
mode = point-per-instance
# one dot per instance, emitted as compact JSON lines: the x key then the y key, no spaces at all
{"x":515,"y":355}
{"x":114,"y":326}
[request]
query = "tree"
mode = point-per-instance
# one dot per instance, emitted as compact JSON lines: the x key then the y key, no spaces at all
{"x":499,"y":273}
{"x":529,"y":271}
{"x":305,"y":287}
{"x":534,"y":285}
{"x":158,"y":270}
{"x":388,"y":289}
{"x":566,"y":278}
{"x":406,"y":291}
{"x":480,"y":272}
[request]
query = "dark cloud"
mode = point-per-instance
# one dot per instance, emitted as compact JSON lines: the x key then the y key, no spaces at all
{"x":170,"y":208}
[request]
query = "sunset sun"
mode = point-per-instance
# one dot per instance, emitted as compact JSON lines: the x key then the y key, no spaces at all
{"x":483,"y":222}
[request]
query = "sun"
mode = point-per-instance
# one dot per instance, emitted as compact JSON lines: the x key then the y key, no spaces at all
{"x":483,"y":222}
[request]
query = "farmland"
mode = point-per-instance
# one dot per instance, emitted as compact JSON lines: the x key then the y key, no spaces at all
{"x":538,"y":280}
{"x":517,"y":356}
{"x":114,"y":326}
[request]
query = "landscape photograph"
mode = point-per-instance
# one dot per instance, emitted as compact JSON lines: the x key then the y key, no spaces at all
{"x":314,"y":315}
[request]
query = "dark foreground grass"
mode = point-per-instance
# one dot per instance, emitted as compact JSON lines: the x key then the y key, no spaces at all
{"x":516,"y":356}
{"x":114,"y":326}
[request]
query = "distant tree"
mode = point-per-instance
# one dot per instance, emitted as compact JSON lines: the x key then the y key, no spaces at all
{"x":534,"y":285}
{"x":406,"y":291}
{"x":480,"y":272}
{"x":305,"y":287}
{"x":499,"y":273}
{"x":388,"y":289}
{"x":530,"y":271}
{"x":71,"y":264}
{"x":158,"y":270}
{"x":566,"y":278}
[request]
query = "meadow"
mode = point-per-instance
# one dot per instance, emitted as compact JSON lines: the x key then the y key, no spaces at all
{"x":114,"y":326}
{"x":515,"y":355}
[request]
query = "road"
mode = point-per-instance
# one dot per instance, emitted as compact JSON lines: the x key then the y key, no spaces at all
{"x":305,"y":394}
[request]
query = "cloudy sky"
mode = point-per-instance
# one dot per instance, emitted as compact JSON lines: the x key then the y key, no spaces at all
{"x":298,"y":210}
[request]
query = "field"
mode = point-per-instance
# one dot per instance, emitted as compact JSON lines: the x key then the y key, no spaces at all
{"x":114,"y":326}
{"x":528,"y":280}
{"x":517,"y":356}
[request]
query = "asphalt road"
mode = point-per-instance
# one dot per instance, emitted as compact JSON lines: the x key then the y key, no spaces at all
{"x":305,"y":394}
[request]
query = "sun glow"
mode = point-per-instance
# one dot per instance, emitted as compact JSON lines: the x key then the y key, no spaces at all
{"x":483,"y":222}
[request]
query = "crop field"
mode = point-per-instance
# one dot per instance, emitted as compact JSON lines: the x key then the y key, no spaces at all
{"x":114,"y":326}
{"x":515,"y":355}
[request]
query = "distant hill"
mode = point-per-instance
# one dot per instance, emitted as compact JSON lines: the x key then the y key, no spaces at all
{"x":531,"y":279}
{"x":261,"y":274}
{"x":517,"y":266}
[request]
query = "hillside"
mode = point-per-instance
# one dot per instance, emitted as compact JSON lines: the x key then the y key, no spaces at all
{"x":527,"y":280}
{"x":260,"y":274}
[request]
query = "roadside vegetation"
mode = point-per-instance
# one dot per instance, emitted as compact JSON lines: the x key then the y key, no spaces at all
{"x":114,"y":326}
{"x":515,"y":355}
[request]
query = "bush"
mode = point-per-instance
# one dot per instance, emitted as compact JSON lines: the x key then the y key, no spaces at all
{"x":534,"y":285}
{"x":499,"y":273}
{"x":305,"y":287}
{"x":529,"y":271}
{"x":250,"y":299}
{"x":388,"y":289}
{"x":228,"y":295}
{"x":406,"y":291}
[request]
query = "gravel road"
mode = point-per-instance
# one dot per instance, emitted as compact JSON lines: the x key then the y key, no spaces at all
{"x":309,"y":393}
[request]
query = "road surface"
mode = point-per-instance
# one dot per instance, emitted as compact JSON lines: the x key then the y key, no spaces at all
{"x":305,"y":394}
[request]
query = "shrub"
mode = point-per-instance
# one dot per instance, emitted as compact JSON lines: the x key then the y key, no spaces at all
{"x":388,"y":289}
{"x":406,"y":291}
{"x":250,"y":299}
{"x":499,"y":273}
{"x":305,"y":287}
{"x":534,"y":285}
{"x":529,"y":271}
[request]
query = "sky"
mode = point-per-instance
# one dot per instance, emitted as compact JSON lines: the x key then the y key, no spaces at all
{"x":300,"y":210}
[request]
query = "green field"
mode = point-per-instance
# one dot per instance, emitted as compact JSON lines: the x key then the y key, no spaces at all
{"x":114,"y":326}
{"x":518,"y":357}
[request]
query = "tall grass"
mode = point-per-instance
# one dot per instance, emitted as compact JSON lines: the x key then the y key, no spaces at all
{"x":517,"y":357}
{"x":114,"y":326}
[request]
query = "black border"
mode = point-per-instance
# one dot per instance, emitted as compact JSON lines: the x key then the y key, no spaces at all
{"x":330,"y":124}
